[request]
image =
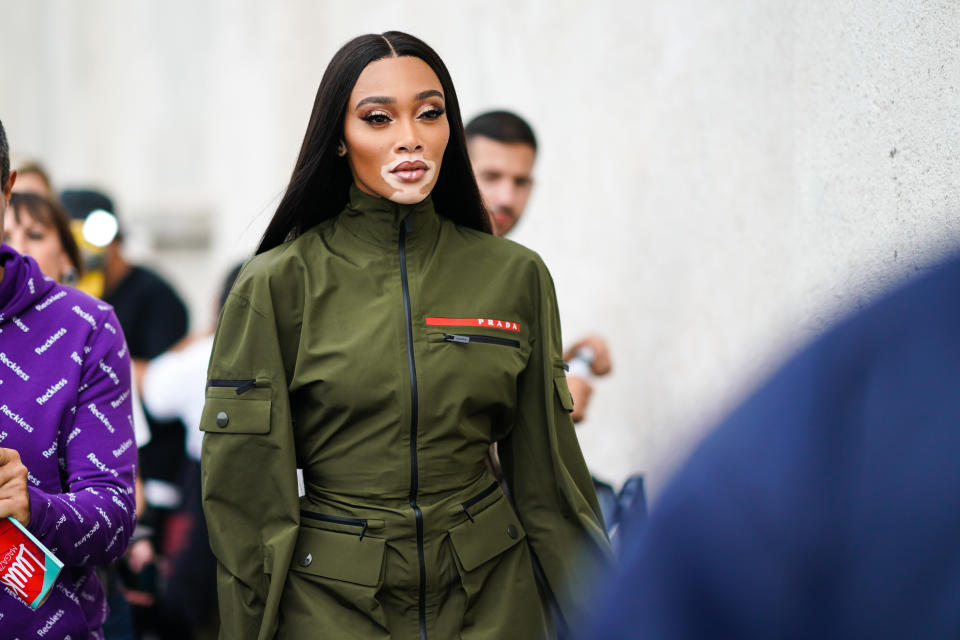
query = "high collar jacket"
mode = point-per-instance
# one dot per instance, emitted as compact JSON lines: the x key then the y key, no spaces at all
{"x":382,"y":352}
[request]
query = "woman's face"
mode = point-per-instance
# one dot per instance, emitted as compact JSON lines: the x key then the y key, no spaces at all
{"x":41,"y":242}
{"x":396,"y":129}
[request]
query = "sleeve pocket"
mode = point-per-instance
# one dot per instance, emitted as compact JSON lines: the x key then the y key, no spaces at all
{"x":563,"y":391}
{"x":338,"y":556}
{"x":226,"y":412}
{"x":490,"y":533}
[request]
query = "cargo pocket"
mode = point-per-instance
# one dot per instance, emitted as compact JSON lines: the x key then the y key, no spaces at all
{"x":327,"y":570}
{"x":500,"y":595}
{"x":486,"y":534}
{"x":344,"y":557}
{"x":228,"y":411}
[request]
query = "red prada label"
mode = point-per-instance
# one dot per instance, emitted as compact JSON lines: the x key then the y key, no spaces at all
{"x":488,"y":323}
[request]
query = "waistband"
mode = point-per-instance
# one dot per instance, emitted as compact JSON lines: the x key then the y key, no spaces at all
{"x":323,"y":508}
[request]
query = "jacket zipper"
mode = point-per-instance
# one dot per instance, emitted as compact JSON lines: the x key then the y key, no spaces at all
{"x":466,"y":338}
{"x":477,"y":498}
{"x":405,"y":228}
{"x":242,"y":386}
{"x":350,"y":522}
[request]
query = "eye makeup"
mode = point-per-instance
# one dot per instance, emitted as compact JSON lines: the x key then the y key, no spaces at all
{"x":376,"y":117}
{"x":432,"y":112}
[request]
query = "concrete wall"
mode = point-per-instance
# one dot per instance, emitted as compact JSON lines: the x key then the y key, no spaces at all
{"x":716,"y":183}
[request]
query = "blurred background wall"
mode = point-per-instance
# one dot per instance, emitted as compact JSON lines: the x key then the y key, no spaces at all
{"x":717,"y":181}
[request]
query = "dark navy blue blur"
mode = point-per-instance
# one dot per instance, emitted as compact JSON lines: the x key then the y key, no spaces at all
{"x":827,"y":506}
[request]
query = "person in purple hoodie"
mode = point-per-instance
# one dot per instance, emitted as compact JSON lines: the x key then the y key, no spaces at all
{"x":67,"y":452}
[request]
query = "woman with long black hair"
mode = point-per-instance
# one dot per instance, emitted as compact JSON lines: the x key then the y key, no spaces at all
{"x":381,"y":339}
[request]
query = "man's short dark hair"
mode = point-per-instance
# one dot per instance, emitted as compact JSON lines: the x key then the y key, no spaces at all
{"x":502,"y":126}
{"x":4,"y":158}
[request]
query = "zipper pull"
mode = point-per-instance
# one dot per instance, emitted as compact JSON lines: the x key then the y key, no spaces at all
{"x":454,"y":337}
{"x":408,"y":223}
{"x":246,"y":386}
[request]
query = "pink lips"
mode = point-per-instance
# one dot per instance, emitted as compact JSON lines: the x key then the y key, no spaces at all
{"x":409,"y":171}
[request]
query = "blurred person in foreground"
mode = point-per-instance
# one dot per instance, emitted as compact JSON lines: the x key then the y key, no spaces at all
{"x":67,"y":453}
{"x":827,"y":506}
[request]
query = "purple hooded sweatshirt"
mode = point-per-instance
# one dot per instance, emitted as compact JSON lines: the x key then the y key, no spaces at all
{"x":65,"y":407}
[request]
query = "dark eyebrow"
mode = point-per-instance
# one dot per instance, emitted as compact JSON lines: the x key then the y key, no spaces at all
{"x":423,"y":95}
{"x":376,"y":100}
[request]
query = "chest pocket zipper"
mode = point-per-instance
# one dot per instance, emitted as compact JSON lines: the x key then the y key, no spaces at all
{"x":468,"y":338}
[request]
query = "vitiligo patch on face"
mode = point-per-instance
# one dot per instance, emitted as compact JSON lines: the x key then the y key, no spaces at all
{"x":487,"y":323}
{"x":405,"y":190}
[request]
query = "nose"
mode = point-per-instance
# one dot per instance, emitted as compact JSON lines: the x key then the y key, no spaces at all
{"x":408,"y":140}
{"x":504,"y":194}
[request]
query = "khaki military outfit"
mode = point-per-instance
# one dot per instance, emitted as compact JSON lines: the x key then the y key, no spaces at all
{"x":382,"y":352}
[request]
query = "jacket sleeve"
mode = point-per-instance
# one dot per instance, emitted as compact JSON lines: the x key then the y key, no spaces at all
{"x":248,"y":462}
{"x":544,"y":469}
{"x":91,"y":523}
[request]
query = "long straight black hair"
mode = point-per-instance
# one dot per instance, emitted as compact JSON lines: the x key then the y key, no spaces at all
{"x":319,"y":186}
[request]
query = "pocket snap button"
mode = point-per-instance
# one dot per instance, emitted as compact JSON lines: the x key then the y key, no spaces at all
{"x":222,"y":419}
{"x":512,"y":531}
{"x":307,"y":560}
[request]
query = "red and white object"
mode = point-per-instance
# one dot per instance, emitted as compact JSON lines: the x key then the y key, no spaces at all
{"x":27,"y":568}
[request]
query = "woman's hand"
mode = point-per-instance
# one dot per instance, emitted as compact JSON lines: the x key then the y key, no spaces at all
{"x":14,"y":499}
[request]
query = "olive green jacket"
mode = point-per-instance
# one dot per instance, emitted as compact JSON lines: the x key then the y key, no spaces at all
{"x":382,"y":351}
